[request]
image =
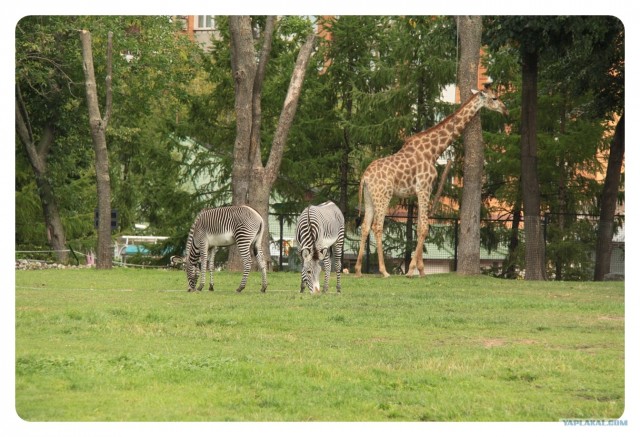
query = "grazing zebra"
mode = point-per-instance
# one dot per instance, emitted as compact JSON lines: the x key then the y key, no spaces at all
{"x":319,"y":229}
{"x":224,"y":226}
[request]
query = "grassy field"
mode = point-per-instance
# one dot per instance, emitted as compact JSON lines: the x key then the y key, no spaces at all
{"x":133,"y":345}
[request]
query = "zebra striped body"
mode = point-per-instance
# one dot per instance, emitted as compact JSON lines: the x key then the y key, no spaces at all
{"x":320,"y":229}
{"x":224,"y":226}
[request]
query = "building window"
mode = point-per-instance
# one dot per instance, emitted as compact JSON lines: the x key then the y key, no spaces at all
{"x":205,"y":22}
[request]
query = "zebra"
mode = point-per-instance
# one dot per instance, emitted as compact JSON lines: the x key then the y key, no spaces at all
{"x":223,"y":226}
{"x":319,"y":229}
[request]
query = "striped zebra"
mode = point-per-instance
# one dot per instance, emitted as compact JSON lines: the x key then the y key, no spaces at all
{"x":224,"y":226}
{"x":319,"y":229}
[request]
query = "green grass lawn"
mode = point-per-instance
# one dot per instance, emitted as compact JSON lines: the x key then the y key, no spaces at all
{"x":133,"y":345}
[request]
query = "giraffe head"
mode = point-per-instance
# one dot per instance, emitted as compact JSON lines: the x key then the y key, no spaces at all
{"x":490,"y":100}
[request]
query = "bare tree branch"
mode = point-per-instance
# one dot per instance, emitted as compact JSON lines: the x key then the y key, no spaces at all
{"x":289,"y":108}
{"x":255,"y":157}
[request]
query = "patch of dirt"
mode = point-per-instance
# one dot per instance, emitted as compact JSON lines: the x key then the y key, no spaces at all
{"x":614,"y":318}
{"x":498,"y":342}
{"x":493,"y":342}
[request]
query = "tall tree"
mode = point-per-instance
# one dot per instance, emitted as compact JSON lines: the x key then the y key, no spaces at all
{"x":602,"y":60}
{"x":608,"y":201}
{"x":470,"y":29}
{"x":42,"y":81}
{"x":533,"y":36}
{"x":580,"y":62}
{"x":38,"y":153}
{"x":251,"y":179}
{"x":98,"y":125}
{"x":530,"y":185}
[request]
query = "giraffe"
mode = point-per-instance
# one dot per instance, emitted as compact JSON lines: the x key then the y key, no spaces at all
{"x":412,"y":171}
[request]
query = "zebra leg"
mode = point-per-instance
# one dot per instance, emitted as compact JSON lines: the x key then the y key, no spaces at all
{"x":203,"y":265}
{"x":244,"y":252}
{"x":212,"y":255}
{"x":327,"y":273}
{"x":263,"y":267}
{"x":338,"y":263}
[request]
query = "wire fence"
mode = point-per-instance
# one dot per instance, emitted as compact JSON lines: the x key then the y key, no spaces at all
{"x":569,"y":246}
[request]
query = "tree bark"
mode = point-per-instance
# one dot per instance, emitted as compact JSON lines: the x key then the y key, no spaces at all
{"x":38,"y":159}
{"x":470,"y":29}
{"x":251,"y":179}
{"x":98,"y":127}
{"x":608,"y":202}
{"x":408,"y":245}
{"x":509,"y":265}
{"x":244,"y":72}
{"x":534,"y":241}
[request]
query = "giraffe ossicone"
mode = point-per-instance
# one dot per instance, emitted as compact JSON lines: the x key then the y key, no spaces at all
{"x":412,"y":172}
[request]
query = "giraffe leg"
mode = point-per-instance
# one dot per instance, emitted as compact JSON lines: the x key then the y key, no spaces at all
{"x":378,"y":225}
{"x":366,"y":228}
{"x":423,"y":229}
{"x":363,"y":239}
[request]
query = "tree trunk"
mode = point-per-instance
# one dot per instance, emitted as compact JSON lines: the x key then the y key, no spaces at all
{"x":509,"y":265}
{"x":98,"y":127}
{"x":608,"y":202}
{"x":343,"y":181}
{"x":469,"y":243}
{"x":38,"y":160}
{"x":408,"y":245}
{"x":244,"y":72}
{"x":562,"y":196}
{"x":534,"y":242}
{"x":251,"y":179}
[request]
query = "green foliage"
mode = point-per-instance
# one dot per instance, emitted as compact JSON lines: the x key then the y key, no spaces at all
{"x":570,"y":248}
{"x":132,"y":345}
{"x":581,"y":66}
{"x":377,"y":80}
{"x":48,"y":71}
{"x":211,"y":107}
{"x":375,"y":86}
{"x":153,"y":64}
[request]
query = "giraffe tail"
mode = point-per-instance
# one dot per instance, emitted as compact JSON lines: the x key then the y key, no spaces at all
{"x":360,"y":197}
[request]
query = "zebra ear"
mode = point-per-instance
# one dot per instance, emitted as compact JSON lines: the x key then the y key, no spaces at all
{"x":323,"y":252}
{"x":305,"y":254}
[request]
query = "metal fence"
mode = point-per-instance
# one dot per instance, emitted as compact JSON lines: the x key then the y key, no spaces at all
{"x":569,"y":239}
{"x":570,"y":245}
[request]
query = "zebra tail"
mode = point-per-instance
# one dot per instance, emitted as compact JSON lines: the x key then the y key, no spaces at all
{"x":258,"y":239}
{"x":175,"y":260}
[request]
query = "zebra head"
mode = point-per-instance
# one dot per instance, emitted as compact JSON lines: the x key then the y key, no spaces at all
{"x":312,"y":259}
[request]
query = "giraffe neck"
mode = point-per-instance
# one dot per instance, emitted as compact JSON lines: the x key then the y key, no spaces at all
{"x":436,"y":139}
